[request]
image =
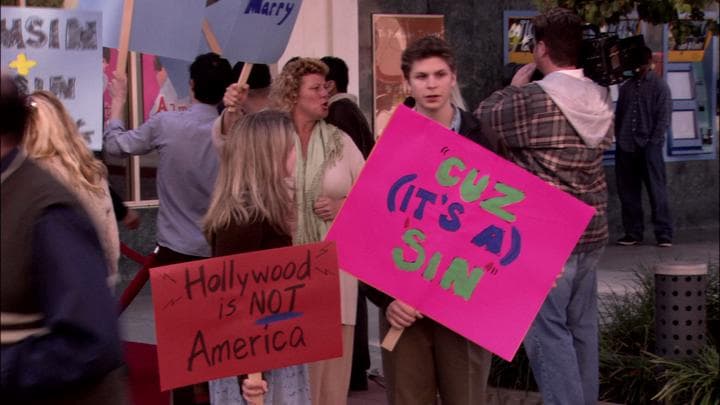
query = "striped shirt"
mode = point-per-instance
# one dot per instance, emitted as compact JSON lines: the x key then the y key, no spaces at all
{"x":540,"y":139}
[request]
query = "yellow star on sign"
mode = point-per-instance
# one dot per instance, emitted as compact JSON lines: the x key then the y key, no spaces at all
{"x":22,"y":64}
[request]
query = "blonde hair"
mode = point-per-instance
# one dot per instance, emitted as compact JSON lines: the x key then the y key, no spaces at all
{"x":251,"y":183}
{"x":52,"y":133}
{"x":286,"y":88}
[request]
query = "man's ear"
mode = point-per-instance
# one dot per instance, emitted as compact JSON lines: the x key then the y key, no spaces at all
{"x":541,"y":48}
{"x":331,"y":86}
{"x":407,"y":89}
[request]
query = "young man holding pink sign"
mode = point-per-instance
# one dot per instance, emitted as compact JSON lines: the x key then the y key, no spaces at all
{"x":557,"y":129}
{"x":430,"y":358}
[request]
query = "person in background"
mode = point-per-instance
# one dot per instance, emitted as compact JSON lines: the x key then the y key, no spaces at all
{"x":557,"y":128}
{"x":188,"y":161}
{"x":430,"y":359}
{"x":252,"y":208}
{"x":259,"y":81}
{"x":127,"y":216}
{"x":58,"y":331}
{"x":642,"y":117}
{"x":187,"y":168}
{"x":53,"y":142}
{"x":345,"y":114}
{"x":257,"y":95}
{"x":328,"y":163}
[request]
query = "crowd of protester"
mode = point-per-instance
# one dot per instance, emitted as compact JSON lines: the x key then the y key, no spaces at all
{"x":269,"y":164}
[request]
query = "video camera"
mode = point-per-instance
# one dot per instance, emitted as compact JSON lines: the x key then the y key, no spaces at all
{"x":605,"y":58}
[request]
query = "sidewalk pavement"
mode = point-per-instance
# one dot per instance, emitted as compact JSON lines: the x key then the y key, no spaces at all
{"x":615,"y":274}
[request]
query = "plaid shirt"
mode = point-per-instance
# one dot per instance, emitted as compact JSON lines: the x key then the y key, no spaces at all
{"x":540,"y":139}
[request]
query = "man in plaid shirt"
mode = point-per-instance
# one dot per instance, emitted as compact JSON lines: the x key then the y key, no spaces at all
{"x":557,"y":128}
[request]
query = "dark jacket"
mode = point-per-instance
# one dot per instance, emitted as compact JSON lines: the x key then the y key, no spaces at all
{"x":346,"y":115}
{"x":60,"y":341}
{"x":241,"y":238}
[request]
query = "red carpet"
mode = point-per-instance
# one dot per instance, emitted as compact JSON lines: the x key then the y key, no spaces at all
{"x":143,"y":376}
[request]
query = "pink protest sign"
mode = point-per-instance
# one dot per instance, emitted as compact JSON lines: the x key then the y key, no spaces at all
{"x":469,"y":239}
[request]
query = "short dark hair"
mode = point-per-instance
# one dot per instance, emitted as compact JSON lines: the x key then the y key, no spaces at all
{"x":561,"y":30}
{"x":259,"y":75}
{"x":338,"y":72}
{"x":644,"y":55}
{"x":289,"y":61}
{"x":14,"y":110}
{"x":426,"y":47}
{"x":211,"y":75}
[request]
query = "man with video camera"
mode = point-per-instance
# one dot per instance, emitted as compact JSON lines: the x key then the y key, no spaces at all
{"x":557,"y":128}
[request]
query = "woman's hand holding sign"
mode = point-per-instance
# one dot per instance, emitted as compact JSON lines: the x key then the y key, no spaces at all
{"x":254,"y":390}
{"x":234,"y":98}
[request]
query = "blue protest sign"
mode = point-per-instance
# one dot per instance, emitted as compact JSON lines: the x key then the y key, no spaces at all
{"x":60,"y":51}
{"x":253,"y":31}
{"x":169,"y":28}
{"x":178,"y":72}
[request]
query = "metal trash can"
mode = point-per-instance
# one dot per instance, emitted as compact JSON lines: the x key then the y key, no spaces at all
{"x":680,"y":309}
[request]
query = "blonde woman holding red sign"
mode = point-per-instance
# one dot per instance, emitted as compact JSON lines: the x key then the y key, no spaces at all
{"x":252,"y":209}
{"x":328,"y":163}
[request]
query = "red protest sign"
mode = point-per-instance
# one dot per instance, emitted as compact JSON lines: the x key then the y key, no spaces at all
{"x":246,"y":313}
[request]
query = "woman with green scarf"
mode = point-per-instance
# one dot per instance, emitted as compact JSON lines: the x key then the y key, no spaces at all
{"x":328,"y":163}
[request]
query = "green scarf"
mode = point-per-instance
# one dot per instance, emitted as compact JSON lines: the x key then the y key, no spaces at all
{"x":324,"y":150}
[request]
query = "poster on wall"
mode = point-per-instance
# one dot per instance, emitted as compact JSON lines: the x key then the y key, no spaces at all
{"x":59,"y":51}
{"x":519,"y":38}
{"x":392,"y":33}
{"x":166,"y":85}
{"x":687,"y":40}
{"x":109,"y":61}
{"x":625,"y":28}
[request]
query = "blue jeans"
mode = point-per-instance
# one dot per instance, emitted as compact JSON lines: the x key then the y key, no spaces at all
{"x":562,"y":343}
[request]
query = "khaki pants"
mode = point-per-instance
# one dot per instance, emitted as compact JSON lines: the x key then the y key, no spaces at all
{"x":330,"y":379}
{"x":430,"y":359}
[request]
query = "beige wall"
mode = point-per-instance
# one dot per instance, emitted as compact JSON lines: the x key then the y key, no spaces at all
{"x":327,"y":27}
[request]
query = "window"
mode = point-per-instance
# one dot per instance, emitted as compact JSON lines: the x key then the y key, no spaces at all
{"x":684,"y":125}
{"x":682,"y":85}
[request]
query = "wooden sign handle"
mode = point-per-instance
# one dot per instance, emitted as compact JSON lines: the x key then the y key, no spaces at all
{"x":215,"y":47}
{"x":391,"y":338}
{"x":210,"y":37}
{"x":245,"y":73}
{"x":124,"y":44}
{"x":256,"y":377}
